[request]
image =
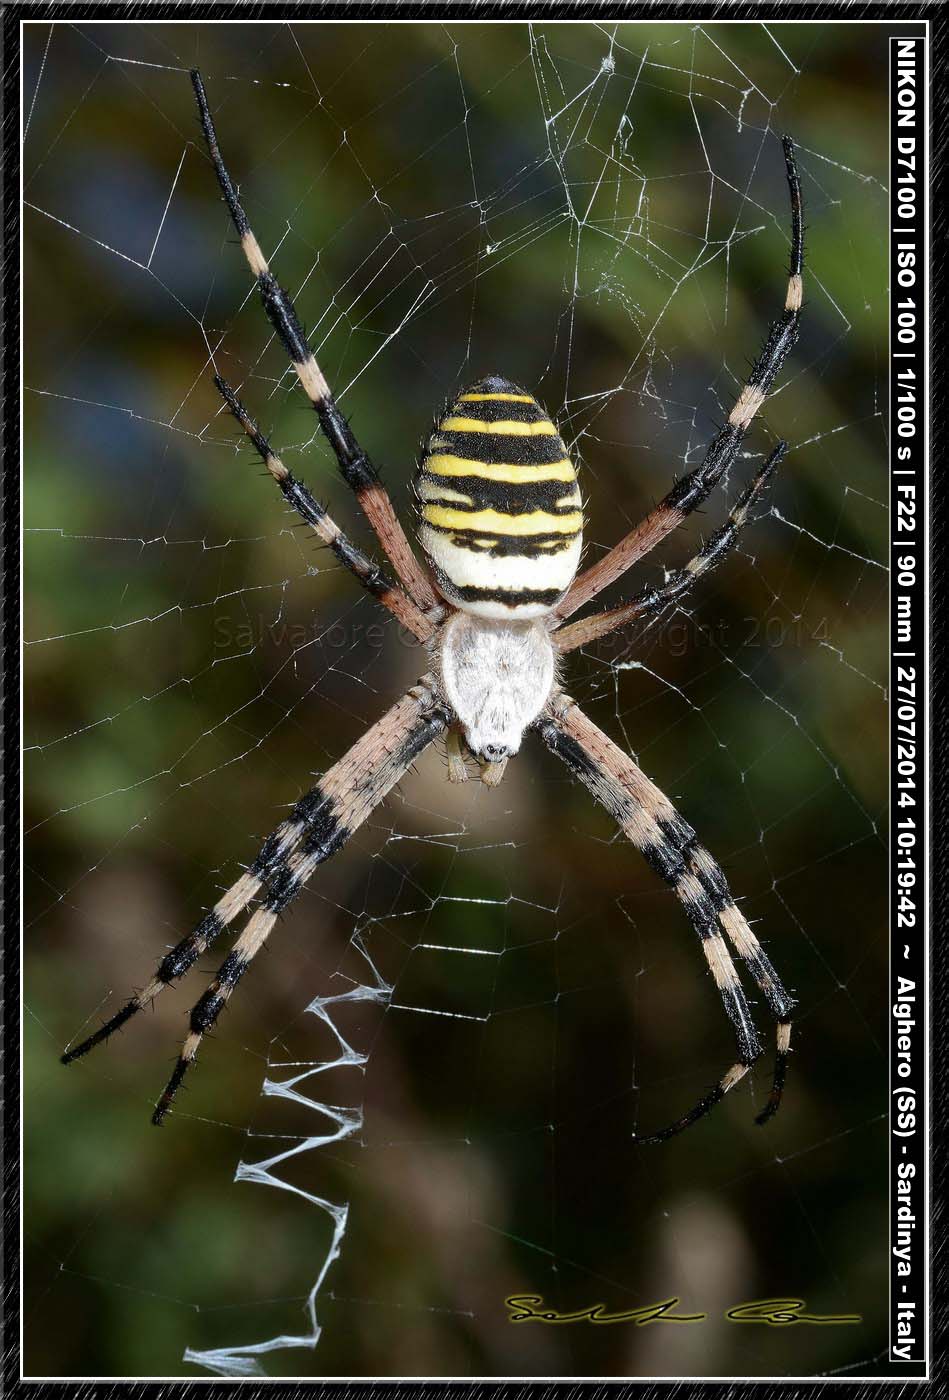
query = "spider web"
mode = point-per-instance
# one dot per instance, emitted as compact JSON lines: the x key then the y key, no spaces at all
{"x":437,"y":1069}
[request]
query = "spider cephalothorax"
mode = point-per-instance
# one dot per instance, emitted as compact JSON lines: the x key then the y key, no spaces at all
{"x":501,"y":524}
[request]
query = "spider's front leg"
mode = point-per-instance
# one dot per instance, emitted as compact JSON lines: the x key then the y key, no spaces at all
{"x":671,"y":847}
{"x":354,"y":464}
{"x":690,"y":491}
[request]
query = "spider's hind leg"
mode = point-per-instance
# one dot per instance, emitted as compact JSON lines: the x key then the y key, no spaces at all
{"x":670,"y":846}
{"x":705,"y":1105}
{"x":340,"y":803}
{"x":780,"y":1074}
{"x":278,"y":846}
{"x":185,"y":954}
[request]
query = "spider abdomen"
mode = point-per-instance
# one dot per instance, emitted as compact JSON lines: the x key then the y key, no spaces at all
{"x":501,"y":517}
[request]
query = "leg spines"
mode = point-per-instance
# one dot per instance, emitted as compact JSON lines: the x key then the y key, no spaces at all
{"x":186,"y":953}
{"x":704,"y":1106}
{"x":271,"y":856}
{"x":210,"y":137}
{"x":796,"y":268}
{"x":709,"y":874}
{"x":305,"y":810}
{"x":373,"y":579}
{"x":103,"y":1033}
{"x":780,"y":1075}
{"x":706,"y":894}
{"x":280,"y":843}
{"x":683,"y":862}
{"x":243,"y":417}
{"x":692,"y":490}
{"x":282,"y":889}
{"x":316,"y":831}
{"x":782,"y":337}
{"x":171,"y":1089}
{"x":695,"y":900}
{"x":358,"y":472}
{"x":206,"y":1010}
{"x":282,"y":315}
{"x":746,"y":945}
{"x":325,"y":840}
{"x":664,"y":860}
{"x":747,"y":1040}
{"x":231,"y":970}
{"x":299,"y":498}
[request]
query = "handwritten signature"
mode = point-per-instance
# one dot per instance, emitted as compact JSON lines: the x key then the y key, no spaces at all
{"x":774,"y":1312}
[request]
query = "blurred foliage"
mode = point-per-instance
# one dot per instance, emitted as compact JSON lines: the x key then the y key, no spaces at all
{"x":601,"y":214}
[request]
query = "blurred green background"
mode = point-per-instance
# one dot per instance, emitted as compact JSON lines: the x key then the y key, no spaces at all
{"x":600,"y":213}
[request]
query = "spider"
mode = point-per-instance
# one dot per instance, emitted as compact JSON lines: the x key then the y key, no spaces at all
{"x":501,"y":528}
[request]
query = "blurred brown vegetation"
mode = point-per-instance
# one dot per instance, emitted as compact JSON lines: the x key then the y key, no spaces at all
{"x":449,"y":200}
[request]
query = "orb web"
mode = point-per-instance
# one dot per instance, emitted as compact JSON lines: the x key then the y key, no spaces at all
{"x":426,"y":1092}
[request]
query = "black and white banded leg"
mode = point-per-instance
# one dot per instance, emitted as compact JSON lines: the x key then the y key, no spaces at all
{"x":357,"y":470}
{"x":653,"y":599}
{"x":319,"y":825}
{"x":297,"y":495}
{"x":670,"y":846}
{"x":692,"y":490}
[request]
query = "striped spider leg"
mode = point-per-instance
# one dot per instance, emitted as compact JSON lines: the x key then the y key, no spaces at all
{"x":653,"y":599}
{"x":319,"y":825}
{"x":692,"y":490}
{"x":670,"y":846}
{"x":357,"y":470}
{"x":297,"y":495}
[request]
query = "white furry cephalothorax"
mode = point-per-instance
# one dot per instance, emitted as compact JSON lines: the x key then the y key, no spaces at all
{"x":497,"y":677}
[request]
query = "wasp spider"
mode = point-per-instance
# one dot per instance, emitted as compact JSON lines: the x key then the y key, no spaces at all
{"x":501,"y":526}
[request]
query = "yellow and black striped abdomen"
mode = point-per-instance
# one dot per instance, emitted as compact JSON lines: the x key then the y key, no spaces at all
{"x":501,"y":512}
